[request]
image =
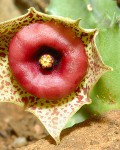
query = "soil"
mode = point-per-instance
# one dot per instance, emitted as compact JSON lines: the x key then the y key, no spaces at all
{"x":98,"y":133}
{"x":19,"y":128}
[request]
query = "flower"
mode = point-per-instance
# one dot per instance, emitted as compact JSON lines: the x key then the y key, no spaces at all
{"x":47,"y":59}
{"x":53,"y":114}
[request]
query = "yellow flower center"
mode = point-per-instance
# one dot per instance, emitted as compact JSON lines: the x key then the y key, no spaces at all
{"x":46,"y":61}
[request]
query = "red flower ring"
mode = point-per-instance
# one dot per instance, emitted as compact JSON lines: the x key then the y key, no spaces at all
{"x":34,"y":43}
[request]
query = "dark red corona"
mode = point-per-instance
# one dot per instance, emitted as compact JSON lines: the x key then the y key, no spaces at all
{"x":67,"y":60}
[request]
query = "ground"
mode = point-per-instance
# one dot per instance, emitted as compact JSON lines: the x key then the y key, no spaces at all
{"x":19,"y":128}
{"x":98,"y":133}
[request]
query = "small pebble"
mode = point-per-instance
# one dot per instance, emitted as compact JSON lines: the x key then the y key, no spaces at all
{"x":20,"y":141}
{"x":3,"y":134}
{"x":38,"y":129}
{"x":73,"y":139}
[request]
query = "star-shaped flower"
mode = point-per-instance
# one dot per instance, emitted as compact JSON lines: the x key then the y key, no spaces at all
{"x":54,"y":115}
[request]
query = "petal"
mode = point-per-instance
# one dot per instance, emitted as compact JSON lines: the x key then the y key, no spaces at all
{"x":54,"y":115}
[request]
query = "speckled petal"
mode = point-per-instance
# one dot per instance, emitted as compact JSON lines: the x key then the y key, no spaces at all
{"x":53,"y":114}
